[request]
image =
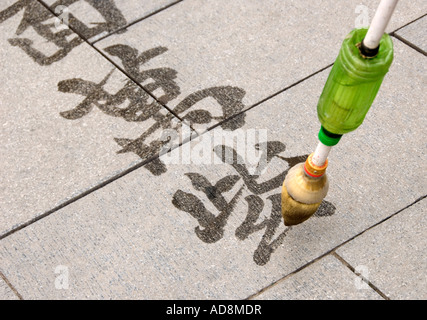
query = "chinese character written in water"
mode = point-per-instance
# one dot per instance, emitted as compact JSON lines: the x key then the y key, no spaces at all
{"x":211,"y":225}
{"x":142,"y":106}
{"x":45,"y":24}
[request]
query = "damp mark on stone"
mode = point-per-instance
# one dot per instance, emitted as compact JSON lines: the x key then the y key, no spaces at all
{"x":42,"y":22}
{"x":325,"y":209}
{"x":267,"y":244}
{"x":229,"y":98}
{"x":212,"y":224}
{"x":159,"y":78}
{"x":134,"y":103}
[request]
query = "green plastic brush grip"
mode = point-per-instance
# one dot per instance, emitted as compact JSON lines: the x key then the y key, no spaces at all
{"x":352,"y":84}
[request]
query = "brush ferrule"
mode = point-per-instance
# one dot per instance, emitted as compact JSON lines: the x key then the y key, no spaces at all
{"x":313,"y":170}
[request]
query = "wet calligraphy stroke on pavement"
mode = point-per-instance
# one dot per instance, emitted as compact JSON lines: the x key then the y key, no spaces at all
{"x":45,"y":24}
{"x":141,"y":106}
{"x":211,"y":226}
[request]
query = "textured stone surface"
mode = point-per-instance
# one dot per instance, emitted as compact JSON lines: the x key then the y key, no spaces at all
{"x":415,"y":33}
{"x":260,"y":47}
{"x":65,"y":120}
{"x":326,"y":279}
{"x":393,"y":254}
{"x":213,"y":230}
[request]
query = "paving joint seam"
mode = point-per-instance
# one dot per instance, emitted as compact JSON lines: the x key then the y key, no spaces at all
{"x":408,"y":43}
{"x":365,"y":280}
{"x":137,"y":21}
{"x":93,"y":189}
{"x":253,"y":296}
{"x":407,"y":24}
{"x":271,"y":96}
{"x":2,"y":276}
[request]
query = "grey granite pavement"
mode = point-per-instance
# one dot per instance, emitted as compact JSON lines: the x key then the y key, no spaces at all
{"x":104,"y":195}
{"x":391,"y":255}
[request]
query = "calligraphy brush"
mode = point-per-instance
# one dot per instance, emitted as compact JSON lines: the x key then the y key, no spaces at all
{"x":356,"y":76}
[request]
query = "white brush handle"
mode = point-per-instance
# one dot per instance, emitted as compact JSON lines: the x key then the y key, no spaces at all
{"x":379,"y":23}
{"x":320,"y":154}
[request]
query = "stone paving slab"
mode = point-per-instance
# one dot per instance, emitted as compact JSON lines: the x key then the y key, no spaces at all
{"x":392,"y":255}
{"x":215,"y":230}
{"x":326,"y":279}
{"x":67,"y":123}
{"x":415,"y":33}
{"x":94,"y":19}
{"x":5,"y":292}
{"x":260,"y":47}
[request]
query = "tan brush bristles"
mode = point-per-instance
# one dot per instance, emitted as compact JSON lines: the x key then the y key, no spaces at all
{"x":295,"y":212}
{"x":302,"y":194}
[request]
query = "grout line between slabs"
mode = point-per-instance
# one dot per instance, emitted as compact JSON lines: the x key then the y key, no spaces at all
{"x":137,"y":21}
{"x":94,"y":188}
{"x":402,"y":39}
{"x":408,"y":43}
{"x":352,"y":269}
{"x":2,"y":276}
{"x":407,"y":24}
{"x":254,"y":295}
{"x":270,"y":96}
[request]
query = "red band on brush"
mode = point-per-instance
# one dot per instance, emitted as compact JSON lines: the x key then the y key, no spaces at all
{"x":311,"y":174}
